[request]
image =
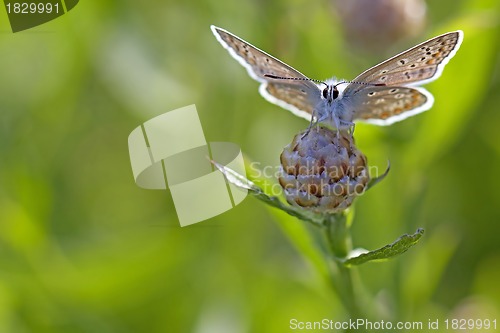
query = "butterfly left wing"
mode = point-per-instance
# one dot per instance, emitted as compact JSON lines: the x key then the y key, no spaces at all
{"x":418,"y":65}
{"x":382,"y":105}
{"x":298,"y":96}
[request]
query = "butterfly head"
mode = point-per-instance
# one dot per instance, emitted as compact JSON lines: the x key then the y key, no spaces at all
{"x":334,"y":89}
{"x":330,"y":92}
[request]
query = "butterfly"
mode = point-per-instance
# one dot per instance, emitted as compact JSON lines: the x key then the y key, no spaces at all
{"x":381,"y":95}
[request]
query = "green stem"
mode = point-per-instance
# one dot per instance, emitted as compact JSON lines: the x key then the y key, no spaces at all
{"x":339,"y":240}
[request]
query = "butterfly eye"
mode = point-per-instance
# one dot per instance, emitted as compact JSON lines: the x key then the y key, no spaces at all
{"x":325,"y":92}
{"x":335,"y":93}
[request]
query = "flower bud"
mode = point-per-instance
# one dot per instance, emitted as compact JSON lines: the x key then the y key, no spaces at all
{"x":323,"y":170}
{"x":375,"y":25}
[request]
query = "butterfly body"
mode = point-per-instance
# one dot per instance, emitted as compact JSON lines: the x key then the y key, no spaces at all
{"x":381,"y":95}
{"x":332,"y":108}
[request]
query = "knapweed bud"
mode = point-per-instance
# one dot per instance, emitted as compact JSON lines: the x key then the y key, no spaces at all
{"x":375,"y":25}
{"x":323,"y":170}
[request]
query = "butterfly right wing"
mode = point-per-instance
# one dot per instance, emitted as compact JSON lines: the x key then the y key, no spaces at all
{"x":298,"y":96}
{"x":289,"y":96}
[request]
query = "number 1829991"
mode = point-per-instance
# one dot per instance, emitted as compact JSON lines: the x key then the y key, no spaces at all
{"x":31,"y":8}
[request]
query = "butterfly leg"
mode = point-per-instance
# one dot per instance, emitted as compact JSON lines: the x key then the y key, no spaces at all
{"x":351,"y":128}
{"x":344,"y":126}
{"x":350,"y":131}
{"x":310,"y":124}
{"x":337,"y":122}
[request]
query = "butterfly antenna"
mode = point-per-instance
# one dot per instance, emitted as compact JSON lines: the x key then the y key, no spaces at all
{"x":293,"y":78}
{"x":363,"y":83}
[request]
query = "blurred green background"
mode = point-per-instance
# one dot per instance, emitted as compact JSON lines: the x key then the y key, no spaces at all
{"x":83,"y":249}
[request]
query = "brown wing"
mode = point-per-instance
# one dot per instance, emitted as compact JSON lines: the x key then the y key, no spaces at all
{"x":257,"y":62}
{"x":386,"y":105}
{"x":297,"y":94}
{"x":420,"y":64}
{"x":289,"y":97}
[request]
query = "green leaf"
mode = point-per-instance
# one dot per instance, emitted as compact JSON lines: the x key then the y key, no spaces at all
{"x":295,"y":231}
{"x":376,"y":180}
{"x":401,"y":245}
{"x":242,"y":182}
